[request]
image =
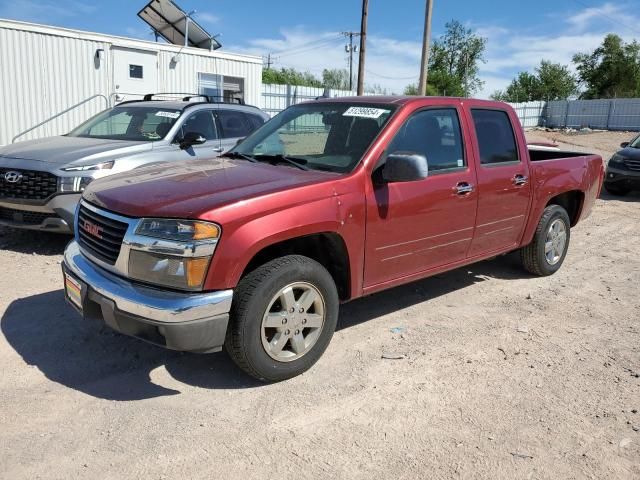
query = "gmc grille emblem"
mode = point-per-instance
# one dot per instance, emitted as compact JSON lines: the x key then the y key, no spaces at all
{"x":12,"y":177}
{"x":92,"y":229}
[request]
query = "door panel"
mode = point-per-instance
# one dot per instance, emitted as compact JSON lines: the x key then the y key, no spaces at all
{"x":135,"y":73}
{"x":416,"y":226}
{"x":503,"y":183}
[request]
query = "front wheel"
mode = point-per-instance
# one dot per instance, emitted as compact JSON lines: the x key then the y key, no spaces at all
{"x":545,"y":255}
{"x":283,"y":316}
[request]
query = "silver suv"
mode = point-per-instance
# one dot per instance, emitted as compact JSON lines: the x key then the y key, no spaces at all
{"x":41,"y":180}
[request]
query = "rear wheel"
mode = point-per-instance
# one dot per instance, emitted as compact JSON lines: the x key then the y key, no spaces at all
{"x":545,"y":255}
{"x":616,"y":190}
{"x":283,"y":316}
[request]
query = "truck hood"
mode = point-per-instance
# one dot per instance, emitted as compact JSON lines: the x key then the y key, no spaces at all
{"x":65,"y":151}
{"x":189,"y":189}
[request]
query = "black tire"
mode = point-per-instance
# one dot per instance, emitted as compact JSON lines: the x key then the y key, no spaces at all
{"x":533,"y":255}
{"x":250,"y":302}
{"x":616,"y":190}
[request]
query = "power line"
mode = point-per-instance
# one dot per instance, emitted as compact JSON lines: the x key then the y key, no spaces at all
{"x":305,"y":47}
{"x":413,"y":77}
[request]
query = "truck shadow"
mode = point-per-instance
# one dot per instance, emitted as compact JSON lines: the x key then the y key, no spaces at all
{"x":630,"y":197}
{"x":27,"y":241}
{"x":91,"y":358}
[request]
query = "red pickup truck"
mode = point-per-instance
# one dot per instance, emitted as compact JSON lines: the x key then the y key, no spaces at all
{"x":329,"y":201}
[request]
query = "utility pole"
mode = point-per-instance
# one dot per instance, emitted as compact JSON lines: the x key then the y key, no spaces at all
{"x":363,"y":42}
{"x":269,"y":61}
{"x":426,"y":40}
{"x":351,"y":49}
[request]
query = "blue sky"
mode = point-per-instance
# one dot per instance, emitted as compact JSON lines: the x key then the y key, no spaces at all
{"x":305,"y":35}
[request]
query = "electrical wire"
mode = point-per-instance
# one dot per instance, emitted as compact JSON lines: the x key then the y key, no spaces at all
{"x":414,"y":77}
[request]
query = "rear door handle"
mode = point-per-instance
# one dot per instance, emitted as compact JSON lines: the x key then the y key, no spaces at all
{"x":520,"y":180}
{"x":464,"y":188}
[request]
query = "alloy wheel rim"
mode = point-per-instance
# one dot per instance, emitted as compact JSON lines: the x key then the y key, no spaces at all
{"x":555,"y":242}
{"x":293,"y":322}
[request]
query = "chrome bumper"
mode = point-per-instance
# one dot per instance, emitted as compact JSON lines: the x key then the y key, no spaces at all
{"x":150,"y":303}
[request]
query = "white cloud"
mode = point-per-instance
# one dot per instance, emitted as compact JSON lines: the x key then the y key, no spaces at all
{"x":393,"y":63}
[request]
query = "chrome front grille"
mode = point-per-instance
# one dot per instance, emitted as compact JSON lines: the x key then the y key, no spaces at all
{"x":27,"y":184}
{"x":99,"y":235}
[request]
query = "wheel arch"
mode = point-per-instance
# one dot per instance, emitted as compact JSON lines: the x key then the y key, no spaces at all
{"x":327,"y":248}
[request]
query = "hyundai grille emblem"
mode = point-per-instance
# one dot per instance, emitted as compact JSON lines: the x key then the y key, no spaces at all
{"x":12,"y":177}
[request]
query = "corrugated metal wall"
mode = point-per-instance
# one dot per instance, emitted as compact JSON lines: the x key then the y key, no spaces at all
{"x":615,"y":114}
{"x":183,"y":75}
{"x":43,"y":73}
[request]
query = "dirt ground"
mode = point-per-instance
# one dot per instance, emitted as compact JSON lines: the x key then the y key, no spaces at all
{"x":503,"y":376}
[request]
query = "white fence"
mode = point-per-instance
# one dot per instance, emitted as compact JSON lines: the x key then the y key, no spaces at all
{"x":276,"y":98}
{"x":614,"y":114}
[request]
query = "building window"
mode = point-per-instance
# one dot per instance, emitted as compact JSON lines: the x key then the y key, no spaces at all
{"x":221,"y":88}
{"x":135,"y":71}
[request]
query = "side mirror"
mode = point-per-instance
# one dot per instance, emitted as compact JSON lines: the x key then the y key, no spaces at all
{"x":405,"y":167}
{"x":190,"y":139}
{"x":624,"y":144}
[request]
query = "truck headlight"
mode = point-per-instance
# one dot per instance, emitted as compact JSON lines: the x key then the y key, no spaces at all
{"x":184,"y":273}
{"x":172,"y":253}
{"x":178,"y":230}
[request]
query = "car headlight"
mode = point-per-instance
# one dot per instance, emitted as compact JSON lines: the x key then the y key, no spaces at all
{"x":173,"y":253}
{"x":617,"y":160}
{"x":73,"y":184}
{"x":97,"y":166}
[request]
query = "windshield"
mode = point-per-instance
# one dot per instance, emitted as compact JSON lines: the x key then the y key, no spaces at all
{"x":320,"y":136}
{"x":139,"y":124}
{"x":635,"y":143}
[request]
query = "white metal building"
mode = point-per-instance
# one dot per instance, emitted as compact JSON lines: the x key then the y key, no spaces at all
{"x":62,"y":77}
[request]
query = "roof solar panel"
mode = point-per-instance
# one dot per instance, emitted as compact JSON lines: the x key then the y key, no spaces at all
{"x":169,"y":21}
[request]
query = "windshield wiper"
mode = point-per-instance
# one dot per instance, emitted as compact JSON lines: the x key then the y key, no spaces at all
{"x":244,"y":156}
{"x":296,"y":162}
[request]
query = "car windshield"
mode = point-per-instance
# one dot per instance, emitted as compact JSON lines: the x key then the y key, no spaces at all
{"x":319,"y":136}
{"x":133,"y":123}
{"x":635,"y":143}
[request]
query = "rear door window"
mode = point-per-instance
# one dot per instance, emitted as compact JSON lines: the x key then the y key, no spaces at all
{"x":233,"y":124}
{"x":200,"y":122}
{"x":496,"y":138}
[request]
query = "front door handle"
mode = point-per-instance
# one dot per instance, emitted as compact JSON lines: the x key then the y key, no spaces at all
{"x":520,"y":180}
{"x":218,"y":149}
{"x":464,"y":188}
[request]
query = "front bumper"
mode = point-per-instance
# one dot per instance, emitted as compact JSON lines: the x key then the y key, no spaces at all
{"x":54,"y":216}
{"x":194,"y":322}
{"x":622,"y":178}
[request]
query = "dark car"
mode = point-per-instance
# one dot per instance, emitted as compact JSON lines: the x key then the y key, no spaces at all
{"x":623,"y":171}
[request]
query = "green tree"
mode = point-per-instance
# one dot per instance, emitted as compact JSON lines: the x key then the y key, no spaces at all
{"x":454,"y":62}
{"x":611,"y":70}
{"x":335,"y":78}
{"x":289,"y":76}
{"x":551,"y":81}
{"x":555,"y":81}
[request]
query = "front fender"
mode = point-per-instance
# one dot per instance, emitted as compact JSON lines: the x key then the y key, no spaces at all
{"x":242,"y":239}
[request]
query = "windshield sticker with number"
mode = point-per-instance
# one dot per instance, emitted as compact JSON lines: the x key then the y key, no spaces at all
{"x":167,"y":114}
{"x":365,"y":112}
